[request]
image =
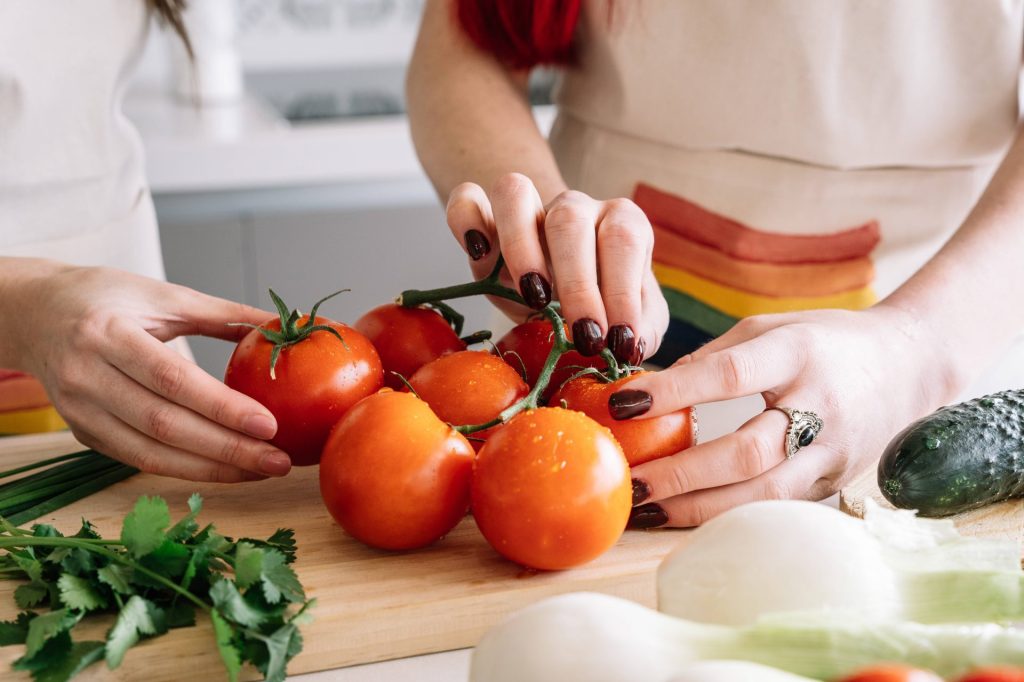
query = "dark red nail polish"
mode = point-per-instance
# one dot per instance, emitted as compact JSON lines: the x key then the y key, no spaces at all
{"x":641,"y":491}
{"x":587,"y":337}
{"x":638,"y":353}
{"x":622,"y":342}
{"x":649,"y":515}
{"x":535,"y":289}
{"x":477,"y":245}
{"x":629,"y":403}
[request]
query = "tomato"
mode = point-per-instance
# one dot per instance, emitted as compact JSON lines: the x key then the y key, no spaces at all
{"x":551,"y":489}
{"x":892,"y":672}
{"x":317,"y":380}
{"x":532,"y":342}
{"x":469,"y":387}
{"x":1002,"y":674}
{"x":641,"y":439}
{"x":393,"y":475}
{"x":407,"y":338}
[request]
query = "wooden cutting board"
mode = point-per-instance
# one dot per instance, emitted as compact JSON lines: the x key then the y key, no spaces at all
{"x":371,"y":605}
{"x":1004,"y":520}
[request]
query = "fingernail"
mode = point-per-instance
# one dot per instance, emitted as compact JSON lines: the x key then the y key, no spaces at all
{"x":629,"y":403}
{"x":476,"y":244}
{"x":622,"y":342}
{"x":641,"y":491}
{"x":275,"y":464}
{"x":535,"y":289}
{"x":649,"y":515}
{"x":259,"y":426}
{"x":638,"y":353}
{"x":586,"y":336}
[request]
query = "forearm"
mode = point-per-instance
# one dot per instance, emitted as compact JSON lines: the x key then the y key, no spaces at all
{"x":970,"y":296}
{"x":18,"y":276}
{"x":470,"y":117}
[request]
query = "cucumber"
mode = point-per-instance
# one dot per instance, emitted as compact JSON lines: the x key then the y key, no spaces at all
{"x":959,"y":458}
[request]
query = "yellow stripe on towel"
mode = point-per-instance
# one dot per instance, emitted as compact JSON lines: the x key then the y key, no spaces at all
{"x":39,"y":420}
{"x":743,"y":304}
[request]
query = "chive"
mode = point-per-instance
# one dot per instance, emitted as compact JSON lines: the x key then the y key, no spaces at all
{"x":46,"y":462}
{"x":74,"y":471}
{"x":44,"y":491}
{"x":119,"y":473}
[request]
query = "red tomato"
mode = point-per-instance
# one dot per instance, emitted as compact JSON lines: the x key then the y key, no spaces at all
{"x":469,"y":387}
{"x":393,"y":475}
{"x":532,"y":342}
{"x":317,"y":381}
{"x":641,"y":439}
{"x":407,"y":338}
{"x":551,"y":489}
{"x":994,"y":675}
{"x":892,"y":672}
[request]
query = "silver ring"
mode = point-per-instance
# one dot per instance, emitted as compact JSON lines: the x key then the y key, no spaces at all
{"x":804,"y":427}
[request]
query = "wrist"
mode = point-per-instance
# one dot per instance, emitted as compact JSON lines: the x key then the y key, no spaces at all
{"x":22,"y":280}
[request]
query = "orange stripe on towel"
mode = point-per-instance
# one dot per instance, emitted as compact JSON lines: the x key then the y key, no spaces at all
{"x":768,"y":279}
{"x":21,"y":392}
{"x":740,"y":241}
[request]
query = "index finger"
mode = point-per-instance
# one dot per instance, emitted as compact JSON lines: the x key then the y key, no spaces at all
{"x":160,"y":369}
{"x":761,"y":364}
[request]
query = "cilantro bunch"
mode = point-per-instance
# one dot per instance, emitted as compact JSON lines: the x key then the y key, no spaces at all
{"x":156,"y":577}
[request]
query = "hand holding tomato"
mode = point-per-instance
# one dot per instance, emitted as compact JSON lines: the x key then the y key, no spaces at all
{"x":94,"y":337}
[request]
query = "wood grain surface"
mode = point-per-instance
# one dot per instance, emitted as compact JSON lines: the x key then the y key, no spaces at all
{"x":371,"y":605}
{"x":1004,"y":520}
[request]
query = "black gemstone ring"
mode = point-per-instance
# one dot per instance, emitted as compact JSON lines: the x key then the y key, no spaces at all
{"x":804,"y":427}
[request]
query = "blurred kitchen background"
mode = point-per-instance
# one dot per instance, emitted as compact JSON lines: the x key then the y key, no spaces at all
{"x":282,"y":158}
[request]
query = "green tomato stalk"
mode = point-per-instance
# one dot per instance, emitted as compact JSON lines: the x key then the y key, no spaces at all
{"x":491,"y":286}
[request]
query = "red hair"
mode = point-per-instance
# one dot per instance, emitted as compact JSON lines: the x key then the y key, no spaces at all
{"x":522,"y":33}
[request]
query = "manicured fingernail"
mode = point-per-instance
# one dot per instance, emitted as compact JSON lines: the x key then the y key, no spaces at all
{"x":477,"y":245}
{"x":641,"y":491}
{"x":535,"y":289}
{"x":629,"y":403}
{"x":649,"y":515}
{"x":275,"y":464}
{"x":638,"y":353}
{"x":622,"y":342}
{"x":586,"y":336}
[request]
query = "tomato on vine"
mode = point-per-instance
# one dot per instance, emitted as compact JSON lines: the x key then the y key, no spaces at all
{"x":393,"y":475}
{"x":551,"y":489}
{"x":469,"y":387}
{"x":526,"y":346}
{"x":641,"y":439}
{"x":308,"y":371}
{"x":407,"y":338}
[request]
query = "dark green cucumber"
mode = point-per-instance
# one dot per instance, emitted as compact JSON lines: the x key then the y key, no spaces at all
{"x":961,"y":457}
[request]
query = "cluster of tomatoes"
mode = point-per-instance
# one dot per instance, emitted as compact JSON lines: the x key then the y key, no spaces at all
{"x":902,"y":673}
{"x":377,"y":407}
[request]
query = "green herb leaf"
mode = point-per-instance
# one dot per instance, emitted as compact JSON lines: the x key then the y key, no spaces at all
{"x":117,"y":577}
{"x":283,"y":540}
{"x":248,"y":564}
{"x":138,"y":617}
{"x":80,"y":656}
{"x":227,"y":598}
{"x":279,"y":580}
{"x":226,"y":645}
{"x":143,"y":529}
{"x":181,"y":614}
{"x":33,"y":567}
{"x":80,"y":593}
{"x":33,"y":594}
{"x":53,"y":649}
{"x":47,"y":626}
{"x":15,"y":631}
{"x":282,"y":645}
{"x":187,"y":527}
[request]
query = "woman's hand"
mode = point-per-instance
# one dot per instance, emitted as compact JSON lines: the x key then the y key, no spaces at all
{"x":594,"y":256}
{"x":95,"y":339}
{"x":867,"y":374}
